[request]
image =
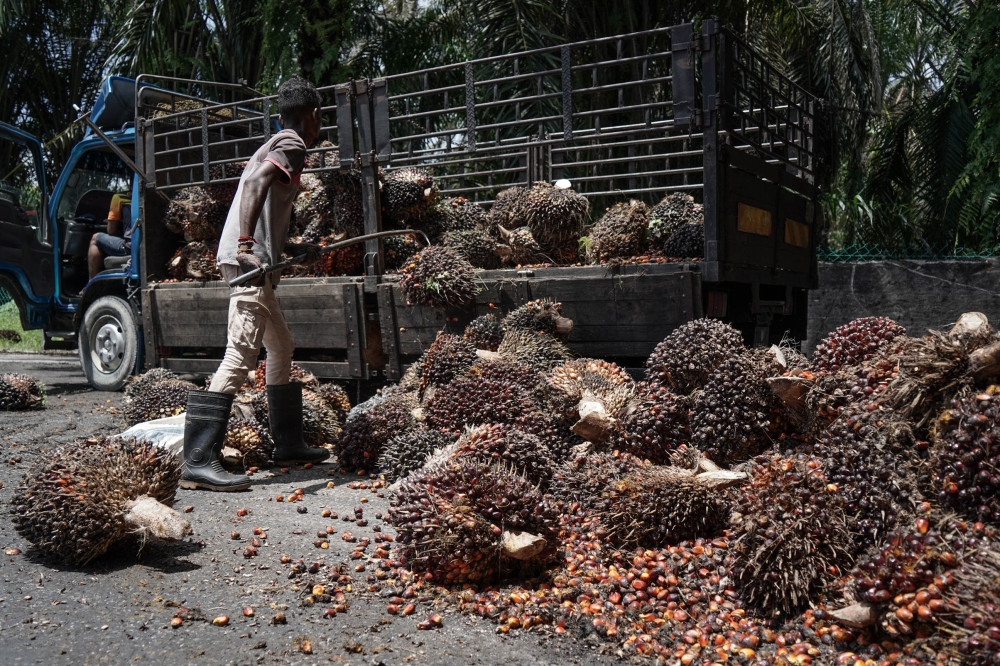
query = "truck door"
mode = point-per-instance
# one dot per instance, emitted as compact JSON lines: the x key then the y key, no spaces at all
{"x":27,"y":263}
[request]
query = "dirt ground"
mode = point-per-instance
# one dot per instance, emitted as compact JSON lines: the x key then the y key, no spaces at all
{"x":118,"y":609}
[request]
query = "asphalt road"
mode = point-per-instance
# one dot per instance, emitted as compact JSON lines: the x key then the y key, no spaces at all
{"x":118,"y":609}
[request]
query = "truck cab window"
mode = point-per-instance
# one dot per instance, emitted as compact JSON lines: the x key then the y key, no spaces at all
{"x":97,"y":176}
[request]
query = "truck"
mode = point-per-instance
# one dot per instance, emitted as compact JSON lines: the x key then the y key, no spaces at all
{"x":638,"y":115}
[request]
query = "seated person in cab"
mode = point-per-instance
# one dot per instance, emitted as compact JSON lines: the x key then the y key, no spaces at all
{"x":116,"y":242}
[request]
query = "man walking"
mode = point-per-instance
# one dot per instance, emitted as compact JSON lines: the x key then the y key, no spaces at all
{"x":254,"y":235}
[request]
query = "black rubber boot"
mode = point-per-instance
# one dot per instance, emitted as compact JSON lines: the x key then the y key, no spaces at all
{"x":284,"y":413}
{"x":204,"y":431}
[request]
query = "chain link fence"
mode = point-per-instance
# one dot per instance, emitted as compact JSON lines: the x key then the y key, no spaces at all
{"x":864,"y":252}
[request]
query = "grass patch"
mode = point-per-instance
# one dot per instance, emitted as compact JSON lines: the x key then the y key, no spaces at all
{"x":11,"y":321}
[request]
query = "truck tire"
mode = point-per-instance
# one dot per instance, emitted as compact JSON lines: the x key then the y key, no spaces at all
{"x":108,"y":343}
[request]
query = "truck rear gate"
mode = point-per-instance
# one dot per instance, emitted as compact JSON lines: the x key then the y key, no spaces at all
{"x":631,"y":116}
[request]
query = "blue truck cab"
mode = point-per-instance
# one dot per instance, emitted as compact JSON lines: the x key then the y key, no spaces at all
{"x":44,"y":242}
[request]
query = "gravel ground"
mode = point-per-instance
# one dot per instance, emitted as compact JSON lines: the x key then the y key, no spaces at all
{"x":118,"y":608}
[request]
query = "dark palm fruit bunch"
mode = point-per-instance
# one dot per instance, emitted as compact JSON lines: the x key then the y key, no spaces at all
{"x":540,"y":351}
{"x":519,"y":247}
{"x":657,"y":424}
{"x":684,"y":359}
{"x":862,"y":385}
{"x":369,"y":427}
{"x":569,"y":382}
{"x":551,"y":430}
{"x":965,"y":457}
{"x":82,"y":499}
{"x":19,"y":392}
{"x":582,"y":479}
{"x":541,"y":315}
{"x":620,"y":233}
{"x":688,"y":242}
{"x":397,"y":250}
{"x":316,"y":215}
{"x":439,"y":277}
{"x":460,"y":214}
{"x":151,"y":398}
{"x":477,"y":247}
{"x":450,"y":519}
{"x":225,"y":192}
{"x":484,"y":332}
{"x":343,"y":192}
{"x":730,"y":414}
{"x":509,"y":209}
{"x":297,"y":374}
{"x":195,"y":261}
{"x":555,"y":215}
{"x":408,"y":194}
{"x":320,"y":425}
{"x":668,"y":215}
{"x":856,"y":342}
{"x":196,"y":214}
{"x":907,"y":561}
{"x":347,"y":260}
{"x":791,"y":539}
{"x":976,"y":610}
{"x":448,"y":357}
{"x":410,"y":451}
{"x":336,"y":399}
{"x":252,"y":441}
{"x":515,"y":449}
{"x":490,"y":392}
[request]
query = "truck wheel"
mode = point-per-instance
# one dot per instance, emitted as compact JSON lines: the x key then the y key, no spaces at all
{"x":108,"y":343}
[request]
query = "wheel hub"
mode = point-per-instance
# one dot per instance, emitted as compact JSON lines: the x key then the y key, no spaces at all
{"x":108,"y":344}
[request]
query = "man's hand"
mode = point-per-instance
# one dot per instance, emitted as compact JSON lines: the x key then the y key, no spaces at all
{"x":249,"y":261}
{"x":311,"y":250}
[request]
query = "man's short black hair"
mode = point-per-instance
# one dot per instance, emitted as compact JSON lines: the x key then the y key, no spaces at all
{"x":296,"y":97}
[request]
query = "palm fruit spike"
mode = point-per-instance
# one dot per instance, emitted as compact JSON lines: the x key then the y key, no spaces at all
{"x":490,"y":392}
{"x":593,"y":393}
{"x":448,"y":357}
{"x":439,"y":277}
{"x":791,"y":539}
{"x":298,"y":374}
{"x":148,"y":399}
{"x":688,"y":242}
{"x":410,"y":451}
{"x":620,"y":233}
{"x":509,"y":209}
{"x":541,"y":315}
{"x":408,"y":193}
{"x":503,"y":444}
{"x":20,"y":392}
{"x":336,"y":400}
{"x":484,"y":332}
{"x":519,"y":247}
{"x":466,"y":520}
{"x":657,"y":425}
{"x":83,"y":499}
{"x":475,"y":246}
{"x":668,"y":215}
{"x":857,"y":341}
{"x":683,"y":360}
{"x":730,"y":413}
{"x":536,"y":350}
{"x":555,"y":215}
{"x":250,"y":441}
{"x":368,"y":428}
{"x":398,"y":250}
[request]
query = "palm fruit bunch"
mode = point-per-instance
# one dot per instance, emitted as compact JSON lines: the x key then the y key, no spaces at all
{"x":439,"y":277}
{"x":320,"y":425}
{"x":490,"y":392}
{"x":730,"y":413}
{"x":447,"y":358}
{"x":297,"y":374}
{"x":460,"y":214}
{"x":667,"y":216}
{"x":684,"y":359}
{"x":687,"y":242}
{"x":410,"y":451}
{"x":407,"y":194}
{"x":369,"y":426}
{"x":347,"y":260}
{"x":535,"y":350}
{"x":335,"y":398}
{"x":250,"y":439}
{"x":315,"y":215}
{"x":81,"y":500}
{"x":509,"y":209}
{"x":555,"y":216}
{"x":484,"y":332}
{"x":155,"y":394}
{"x":974,"y":613}
{"x":453,"y":520}
{"x":475,"y":246}
{"x":551,"y":430}
{"x":195,"y":261}
{"x":540,"y":315}
{"x":965,"y":457}
{"x":506,"y":445}
{"x":519,"y":247}
{"x":620,"y":233}
{"x":592,"y":391}
{"x":224,"y":193}
{"x":863,"y":385}
{"x":397,"y":250}
{"x":19,"y":392}
{"x":196,"y":214}
{"x":856,"y":342}
{"x":791,"y":538}
{"x":343,"y":190}
{"x":583,"y":478}
{"x":656,"y":425}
